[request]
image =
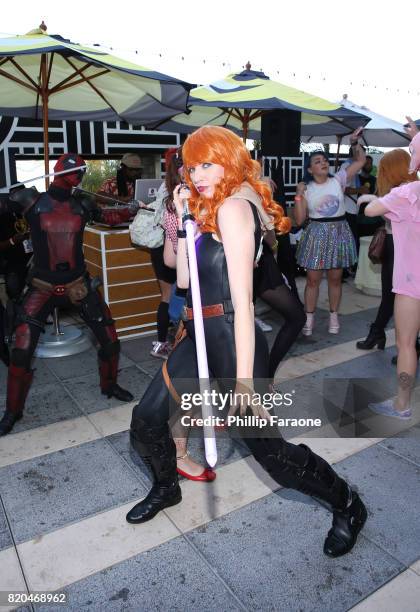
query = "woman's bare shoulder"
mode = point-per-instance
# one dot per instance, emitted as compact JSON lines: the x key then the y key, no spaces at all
{"x":234,"y":207}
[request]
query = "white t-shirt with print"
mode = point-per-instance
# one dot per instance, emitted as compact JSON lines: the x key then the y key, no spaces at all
{"x":327,"y":199}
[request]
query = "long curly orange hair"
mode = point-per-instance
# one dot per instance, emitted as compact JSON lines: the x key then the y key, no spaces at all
{"x":218,"y":145}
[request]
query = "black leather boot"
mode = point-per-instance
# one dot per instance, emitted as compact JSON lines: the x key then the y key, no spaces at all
{"x":346,"y":526}
{"x":114,"y":390}
{"x":298,"y":467}
{"x":156,"y":446}
{"x":375,"y":337}
{"x":8,"y":421}
{"x":108,"y":373}
{"x":19,"y":381}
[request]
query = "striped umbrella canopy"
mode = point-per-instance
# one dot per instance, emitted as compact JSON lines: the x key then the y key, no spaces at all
{"x":47,"y":76}
{"x":379,"y":131}
{"x":239,"y":100}
{"x":312,"y":127}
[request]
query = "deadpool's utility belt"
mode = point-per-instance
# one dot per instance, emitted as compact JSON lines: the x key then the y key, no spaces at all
{"x":213,"y":310}
{"x":76,"y":291}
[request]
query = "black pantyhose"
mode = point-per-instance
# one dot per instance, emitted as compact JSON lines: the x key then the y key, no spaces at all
{"x":163,"y":321}
{"x":286,"y":303}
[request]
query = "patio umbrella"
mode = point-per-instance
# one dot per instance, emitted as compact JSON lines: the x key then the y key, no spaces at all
{"x":312,"y":126}
{"x":380,"y":131}
{"x":239,"y":100}
{"x":47,"y":76}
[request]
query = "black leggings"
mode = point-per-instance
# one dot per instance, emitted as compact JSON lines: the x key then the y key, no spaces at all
{"x":386,"y":307}
{"x":291,"y":465}
{"x":287,"y":304}
{"x":154,"y":407}
{"x":168,"y":275}
{"x":286,"y":261}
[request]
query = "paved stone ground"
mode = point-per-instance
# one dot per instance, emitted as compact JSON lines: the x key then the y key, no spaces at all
{"x":67,"y":478}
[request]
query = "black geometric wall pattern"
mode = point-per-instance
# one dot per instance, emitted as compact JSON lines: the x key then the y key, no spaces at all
{"x":23,"y":138}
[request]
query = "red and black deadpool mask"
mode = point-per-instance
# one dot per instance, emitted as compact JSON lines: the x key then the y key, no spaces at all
{"x":69,"y":161}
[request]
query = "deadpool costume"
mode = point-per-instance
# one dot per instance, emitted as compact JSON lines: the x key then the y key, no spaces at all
{"x":57,"y":219}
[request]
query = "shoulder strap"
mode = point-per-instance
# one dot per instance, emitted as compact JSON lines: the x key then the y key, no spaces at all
{"x":258,"y":234}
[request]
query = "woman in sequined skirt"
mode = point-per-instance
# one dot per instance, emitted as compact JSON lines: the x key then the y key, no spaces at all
{"x":327,"y":242}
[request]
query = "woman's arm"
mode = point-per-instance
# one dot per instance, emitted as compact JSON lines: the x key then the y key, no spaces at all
{"x":359,"y":161}
{"x":182,"y":269}
{"x":375,"y":208}
{"x":359,"y":155}
{"x":236,"y":225}
{"x":301,"y":204}
{"x":169,"y":255}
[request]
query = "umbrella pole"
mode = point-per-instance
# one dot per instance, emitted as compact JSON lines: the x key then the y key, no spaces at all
{"x":245,"y":132}
{"x":44,"y":95}
{"x":338,"y":152}
{"x":245,"y":125}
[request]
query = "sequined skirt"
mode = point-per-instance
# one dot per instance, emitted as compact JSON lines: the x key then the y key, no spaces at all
{"x":326,"y":245}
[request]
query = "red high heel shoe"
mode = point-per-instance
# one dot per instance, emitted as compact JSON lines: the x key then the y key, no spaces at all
{"x":207,"y":475}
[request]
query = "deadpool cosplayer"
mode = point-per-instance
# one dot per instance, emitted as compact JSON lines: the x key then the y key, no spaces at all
{"x":58,"y":277}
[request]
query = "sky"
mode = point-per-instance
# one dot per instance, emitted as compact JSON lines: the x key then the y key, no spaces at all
{"x":367,"y":50}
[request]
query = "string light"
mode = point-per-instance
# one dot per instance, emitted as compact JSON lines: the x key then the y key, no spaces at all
{"x":292,"y":74}
{"x":218,"y":61}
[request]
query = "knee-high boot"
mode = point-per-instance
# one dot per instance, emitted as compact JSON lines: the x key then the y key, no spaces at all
{"x":157,"y":448}
{"x":19,"y":381}
{"x":298,"y":467}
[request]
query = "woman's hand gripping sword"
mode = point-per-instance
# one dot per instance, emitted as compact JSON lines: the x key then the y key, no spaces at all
{"x":200,"y":340}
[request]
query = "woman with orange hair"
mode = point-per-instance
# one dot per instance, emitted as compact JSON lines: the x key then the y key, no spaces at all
{"x":401,"y":206}
{"x":392,"y":172}
{"x":225,"y":193}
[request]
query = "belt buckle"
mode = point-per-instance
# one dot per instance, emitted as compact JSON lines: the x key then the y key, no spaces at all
{"x":59,"y":290}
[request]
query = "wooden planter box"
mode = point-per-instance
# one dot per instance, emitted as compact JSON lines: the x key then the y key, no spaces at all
{"x":129,"y":284}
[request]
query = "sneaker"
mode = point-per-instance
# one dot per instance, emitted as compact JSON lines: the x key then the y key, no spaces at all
{"x":309,"y":325}
{"x":161,"y":350}
{"x":265,"y":327}
{"x":334,"y":325}
{"x":386,"y":408}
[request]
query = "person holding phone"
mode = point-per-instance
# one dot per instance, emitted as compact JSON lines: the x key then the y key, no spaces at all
{"x":217,"y":165}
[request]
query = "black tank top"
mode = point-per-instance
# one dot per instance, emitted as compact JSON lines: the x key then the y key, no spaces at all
{"x":212,"y":266}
